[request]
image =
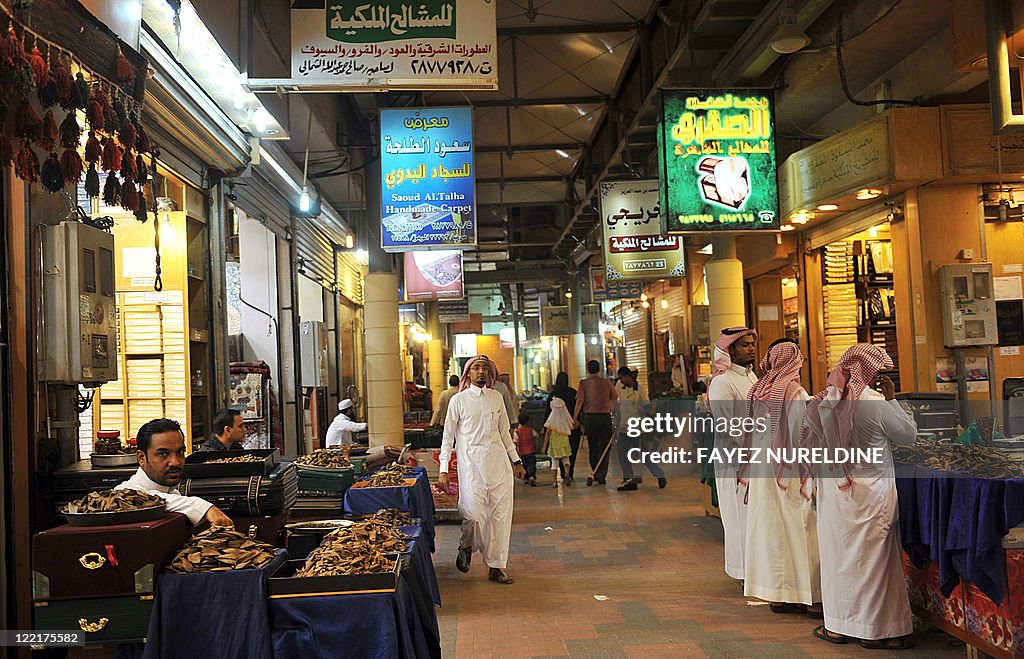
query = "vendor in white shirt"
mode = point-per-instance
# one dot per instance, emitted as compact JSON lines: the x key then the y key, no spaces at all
{"x":339,"y":434}
{"x":161,"y":455}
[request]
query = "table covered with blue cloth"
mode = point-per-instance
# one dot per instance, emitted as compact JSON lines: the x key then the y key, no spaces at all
{"x":417,"y":500}
{"x":376,"y":625}
{"x":958,"y":522}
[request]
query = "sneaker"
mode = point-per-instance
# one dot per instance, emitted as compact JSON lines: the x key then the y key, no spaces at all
{"x":533,"y":482}
{"x":555,"y":484}
{"x":630,"y":486}
{"x":463,"y":560}
{"x":567,"y":481}
{"x":662,"y":482}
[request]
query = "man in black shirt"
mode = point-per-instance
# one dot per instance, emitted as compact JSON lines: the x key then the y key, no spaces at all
{"x":228,"y":432}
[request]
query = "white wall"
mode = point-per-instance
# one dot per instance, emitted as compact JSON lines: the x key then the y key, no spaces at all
{"x":257,"y":246}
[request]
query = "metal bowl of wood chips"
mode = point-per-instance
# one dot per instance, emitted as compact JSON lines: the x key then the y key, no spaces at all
{"x":114,"y":507}
{"x":324,"y":459}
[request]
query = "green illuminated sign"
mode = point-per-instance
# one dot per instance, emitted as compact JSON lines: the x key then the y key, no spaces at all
{"x":716,"y":157}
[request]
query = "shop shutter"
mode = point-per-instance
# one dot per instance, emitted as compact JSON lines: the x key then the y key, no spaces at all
{"x":350,"y":277}
{"x":850,"y":223}
{"x":635,"y":328}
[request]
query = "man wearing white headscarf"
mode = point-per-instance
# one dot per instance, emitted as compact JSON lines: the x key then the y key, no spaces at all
{"x":735,"y":352}
{"x":477,"y":426}
{"x":863,"y":593}
{"x":339,"y":434}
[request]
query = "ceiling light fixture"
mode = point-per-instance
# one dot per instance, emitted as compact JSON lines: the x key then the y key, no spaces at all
{"x":828,"y":207}
{"x":789,"y":38}
{"x":868,"y":193}
{"x":664,"y":303}
{"x":593,"y":340}
{"x":786,"y":227}
{"x":562,"y":153}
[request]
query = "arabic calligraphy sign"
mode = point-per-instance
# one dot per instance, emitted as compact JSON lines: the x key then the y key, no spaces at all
{"x":602,"y":289}
{"x":634,"y":247}
{"x":555,"y":321}
{"x":427,"y":179}
{"x":716,"y":160}
{"x":835,"y":166}
{"x":395,"y":44}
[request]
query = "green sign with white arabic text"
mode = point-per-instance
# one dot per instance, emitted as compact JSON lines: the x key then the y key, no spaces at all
{"x":390,"y":20}
{"x":716,"y":159}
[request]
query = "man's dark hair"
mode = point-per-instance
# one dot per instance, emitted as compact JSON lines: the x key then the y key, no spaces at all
{"x":224,"y":419}
{"x":145,"y":435}
{"x":593,"y":367}
{"x":453,"y":381}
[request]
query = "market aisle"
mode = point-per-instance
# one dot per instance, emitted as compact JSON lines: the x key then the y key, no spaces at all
{"x":652,"y":553}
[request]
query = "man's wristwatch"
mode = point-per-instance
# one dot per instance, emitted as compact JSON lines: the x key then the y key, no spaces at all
{"x":517,"y":463}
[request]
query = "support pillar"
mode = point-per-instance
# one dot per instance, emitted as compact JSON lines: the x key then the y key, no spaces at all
{"x":435,"y":354}
{"x":577,"y":367}
{"x":384,"y":407}
{"x":727,"y":307}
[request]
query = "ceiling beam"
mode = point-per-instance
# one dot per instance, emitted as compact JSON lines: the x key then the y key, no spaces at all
{"x":548,"y":276}
{"x":522,"y":179}
{"x":568,"y":146}
{"x":576,"y":28}
{"x":559,"y":100}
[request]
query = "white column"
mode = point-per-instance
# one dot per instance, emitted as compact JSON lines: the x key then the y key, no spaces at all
{"x":726,"y":306}
{"x":577,"y":358}
{"x":384,"y":367}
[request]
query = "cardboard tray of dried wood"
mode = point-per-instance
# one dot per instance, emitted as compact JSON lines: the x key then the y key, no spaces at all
{"x":409,"y":482}
{"x":196,"y":464}
{"x":282,"y":585}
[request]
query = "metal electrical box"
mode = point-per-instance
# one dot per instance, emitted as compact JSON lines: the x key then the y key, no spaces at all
{"x":313,"y":348}
{"x":968,"y":305}
{"x":79,"y":321}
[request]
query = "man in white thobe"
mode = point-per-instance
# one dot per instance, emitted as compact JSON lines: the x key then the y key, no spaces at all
{"x":161,"y":455}
{"x":735,"y":352}
{"x":781,"y":560}
{"x":864,"y":595}
{"x":339,"y":434}
{"x":477,"y":427}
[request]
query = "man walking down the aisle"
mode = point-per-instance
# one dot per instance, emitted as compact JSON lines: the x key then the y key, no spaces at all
{"x":441,"y":411}
{"x":595,"y":397}
{"x":633,"y":404}
{"x":477,"y":425}
{"x":735,"y":352}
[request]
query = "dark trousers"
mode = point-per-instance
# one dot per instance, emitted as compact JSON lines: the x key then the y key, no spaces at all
{"x":646,"y":443}
{"x":574,"y":444}
{"x":599,"y":431}
{"x":530,"y":465}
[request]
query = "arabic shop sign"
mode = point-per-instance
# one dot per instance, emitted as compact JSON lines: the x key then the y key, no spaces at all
{"x":427,"y":179}
{"x":716,"y":160}
{"x":634,"y":247}
{"x":603,"y":290}
{"x":395,"y":44}
{"x":555,"y":321}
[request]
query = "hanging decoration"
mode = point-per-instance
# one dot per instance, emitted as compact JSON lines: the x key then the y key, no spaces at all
{"x":43,"y":88}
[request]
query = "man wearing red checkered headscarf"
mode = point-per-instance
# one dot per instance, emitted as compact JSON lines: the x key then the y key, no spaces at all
{"x":781,"y":561}
{"x":477,"y":425}
{"x":735,"y":352}
{"x":862,"y":586}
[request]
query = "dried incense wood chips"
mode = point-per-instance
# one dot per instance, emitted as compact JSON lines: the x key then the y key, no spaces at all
{"x":393,"y":516}
{"x":113,"y":501}
{"x":978,"y":461}
{"x":219,"y":549}
{"x":362,"y":548}
{"x":236,"y":459}
{"x":324,"y":458}
{"x":392,"y":475}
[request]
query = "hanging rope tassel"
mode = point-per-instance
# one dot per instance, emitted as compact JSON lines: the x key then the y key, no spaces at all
{"x":51,"y":175}
{"x":92,"y":182}
{"x":48,"y":133}
{"x":71,"y":167}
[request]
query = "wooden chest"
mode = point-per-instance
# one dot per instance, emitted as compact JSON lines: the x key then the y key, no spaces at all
{"x":106,"y":620}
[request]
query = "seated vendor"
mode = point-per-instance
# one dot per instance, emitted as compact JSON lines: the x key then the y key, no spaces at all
{"x":229,"y":432}
{"x":339,"y":434}
{"x":160,"y":445}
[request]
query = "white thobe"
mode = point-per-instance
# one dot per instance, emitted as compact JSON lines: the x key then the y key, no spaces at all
{"x":781,"y":546}
{"x":340,"y":431}
{"x":864,"y":594}
{"x":727,"y":395}
{"x":192,"y":507}
{"x":442,"y":406}
{"x":477,"y":428}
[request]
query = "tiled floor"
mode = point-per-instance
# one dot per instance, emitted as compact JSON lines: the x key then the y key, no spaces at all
{"x":654,"y":556}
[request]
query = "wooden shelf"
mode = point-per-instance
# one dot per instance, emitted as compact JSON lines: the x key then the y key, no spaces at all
{"x":196,"y":278}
